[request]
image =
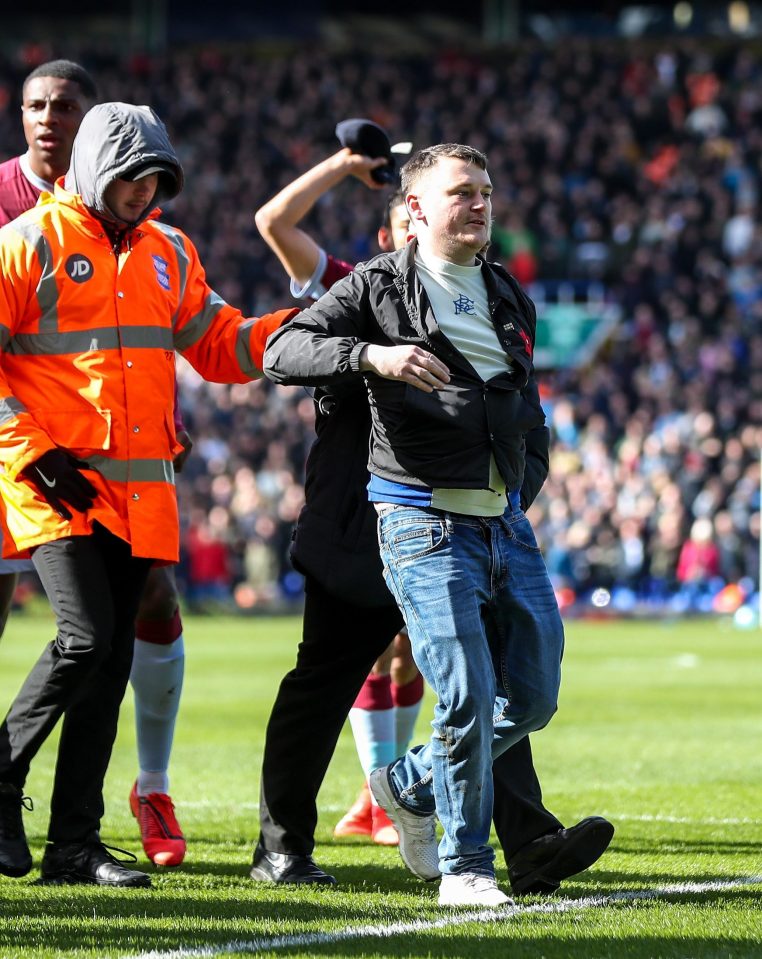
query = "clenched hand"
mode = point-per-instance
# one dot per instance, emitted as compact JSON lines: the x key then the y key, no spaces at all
{"x":411,"y":364}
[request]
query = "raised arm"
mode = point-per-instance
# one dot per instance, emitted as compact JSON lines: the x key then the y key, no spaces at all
{"x":278,"y":219}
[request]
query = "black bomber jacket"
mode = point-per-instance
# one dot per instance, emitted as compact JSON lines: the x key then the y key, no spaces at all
{"x":440,"y":439}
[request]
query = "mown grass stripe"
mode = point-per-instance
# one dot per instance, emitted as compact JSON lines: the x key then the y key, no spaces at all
{"x":390,"y":930}
{"x":609,"y":814}
{"x":689,"y":820}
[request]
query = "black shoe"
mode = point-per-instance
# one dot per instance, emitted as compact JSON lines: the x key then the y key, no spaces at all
{"x":541,"y":865}
{"x":71,"y":863}
{"x":15,"y":858}
{"x":281,"y":867}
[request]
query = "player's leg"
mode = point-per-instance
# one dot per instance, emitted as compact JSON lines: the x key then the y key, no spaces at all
{"x":8,"y":582}
{"x":9,"y":570}
{"x":157,"y":680}
{"x":372,"y":720}
{"x":372,"y":728}
{"x":407,"y":692}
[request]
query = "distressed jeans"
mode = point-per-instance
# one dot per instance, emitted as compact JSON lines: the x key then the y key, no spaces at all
{"x":487,"y":636}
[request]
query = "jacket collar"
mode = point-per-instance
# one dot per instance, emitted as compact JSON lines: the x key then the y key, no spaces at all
{"x":511,"y":325}
{"x":83,"y":219}
{"x":402,"y":264}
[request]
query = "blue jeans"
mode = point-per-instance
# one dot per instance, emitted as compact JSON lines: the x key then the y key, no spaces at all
{"x":487,"y":636}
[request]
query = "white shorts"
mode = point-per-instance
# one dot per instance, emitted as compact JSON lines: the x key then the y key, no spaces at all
{"x":8,"y":566}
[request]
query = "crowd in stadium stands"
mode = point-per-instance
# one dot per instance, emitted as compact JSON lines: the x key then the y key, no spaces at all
{"x":637,"y":168}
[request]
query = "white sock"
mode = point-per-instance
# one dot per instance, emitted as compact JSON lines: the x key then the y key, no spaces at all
{"x":372,"y":721}
{"x":407,"y":700}
{"x":157,"y":679}
{"x":405,"y":718}
{"x":374,"y":737}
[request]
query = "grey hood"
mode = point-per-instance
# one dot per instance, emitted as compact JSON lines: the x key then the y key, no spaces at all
{"x":113,"y":139}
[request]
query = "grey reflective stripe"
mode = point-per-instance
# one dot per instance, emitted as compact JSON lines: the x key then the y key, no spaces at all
{"x":183,"y":260}
{"x":5,"y":337}
{"x":146,"y":337}
{"x":243,"y":350}
{"x":87,"y":341}
{"x":47,"y":288}
{"x":197,"y":325}
{"x":10,"y":408}
{"x":133,"y":471}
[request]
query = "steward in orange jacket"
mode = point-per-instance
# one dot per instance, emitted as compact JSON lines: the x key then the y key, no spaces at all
{"x":95,"y":297}
{"x":88,"y":332}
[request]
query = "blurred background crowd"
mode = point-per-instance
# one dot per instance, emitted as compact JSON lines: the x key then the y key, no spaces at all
{"x":627,"y":179}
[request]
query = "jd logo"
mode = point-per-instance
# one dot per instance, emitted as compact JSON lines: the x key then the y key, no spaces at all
{"x":79,"y":268}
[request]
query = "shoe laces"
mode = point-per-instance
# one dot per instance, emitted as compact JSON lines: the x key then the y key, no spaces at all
{"x":478,"y":882}
{"x":10,"y":814}
{"x":110,"y":850}
{"x":157,"y":817}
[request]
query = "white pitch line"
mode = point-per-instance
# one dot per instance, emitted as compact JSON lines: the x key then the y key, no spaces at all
{"x":388,"y":930}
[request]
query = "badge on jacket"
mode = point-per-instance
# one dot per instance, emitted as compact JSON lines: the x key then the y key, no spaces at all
{"x":79,"y":268}
{"x":162,"y":270}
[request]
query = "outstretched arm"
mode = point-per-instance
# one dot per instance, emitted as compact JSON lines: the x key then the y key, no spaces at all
{"x":330,"y":340}
{"x":278,"y":219}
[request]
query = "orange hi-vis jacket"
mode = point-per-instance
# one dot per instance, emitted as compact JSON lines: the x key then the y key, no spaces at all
{"x":87,"y":363}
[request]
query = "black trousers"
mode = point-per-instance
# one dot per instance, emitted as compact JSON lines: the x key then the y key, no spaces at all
{"x":94,"y":586}
{"x":340,"y":643}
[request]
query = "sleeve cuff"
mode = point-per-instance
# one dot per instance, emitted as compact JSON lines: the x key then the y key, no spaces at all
{"x":313,"y":287}
{"x":354,"y":356}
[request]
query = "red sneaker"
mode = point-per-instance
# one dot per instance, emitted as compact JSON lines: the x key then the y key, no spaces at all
{"x":358,"y":820}
{"x":160,"y":832}
{"x":384,"y":831}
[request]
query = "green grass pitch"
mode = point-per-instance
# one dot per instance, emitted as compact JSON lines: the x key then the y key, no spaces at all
{"x":659,"y":728}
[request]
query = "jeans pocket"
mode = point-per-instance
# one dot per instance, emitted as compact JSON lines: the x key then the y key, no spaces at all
{"x":521,"y":533}
{"x":407,"y":542}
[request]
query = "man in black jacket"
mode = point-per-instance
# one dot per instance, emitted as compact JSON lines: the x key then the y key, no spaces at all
{"x":349,"y":610}
{"x":445,"y":342}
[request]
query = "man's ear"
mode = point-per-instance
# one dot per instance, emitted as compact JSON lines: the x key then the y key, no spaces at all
{"x":414,"y":207}
{"x":384,"y":237}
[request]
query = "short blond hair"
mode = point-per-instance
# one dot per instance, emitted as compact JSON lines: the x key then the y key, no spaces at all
{"x":422,"y":161}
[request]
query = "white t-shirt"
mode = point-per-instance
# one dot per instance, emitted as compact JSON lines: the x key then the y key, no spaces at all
{"x":458,"y":299}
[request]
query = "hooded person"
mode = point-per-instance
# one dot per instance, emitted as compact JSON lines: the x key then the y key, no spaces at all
{"x":119,"y":141}
{"x":96,"y":295}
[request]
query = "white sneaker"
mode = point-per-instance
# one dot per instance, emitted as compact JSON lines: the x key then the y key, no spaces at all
{"x":471,"y":889}
{"x":418,"y":838}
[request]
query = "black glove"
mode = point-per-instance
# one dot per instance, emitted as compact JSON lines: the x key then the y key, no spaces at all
{"x":56,"y":474}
